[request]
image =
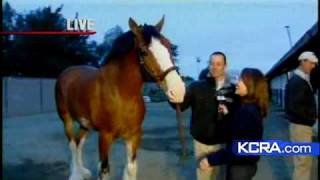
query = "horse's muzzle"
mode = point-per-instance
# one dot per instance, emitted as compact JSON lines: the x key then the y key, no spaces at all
{"x":175,"y":87}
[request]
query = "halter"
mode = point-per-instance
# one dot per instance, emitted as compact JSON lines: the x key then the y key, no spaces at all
{"x":157,"y":78}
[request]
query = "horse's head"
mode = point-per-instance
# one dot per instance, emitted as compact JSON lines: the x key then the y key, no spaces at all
{"x":155,"y":56}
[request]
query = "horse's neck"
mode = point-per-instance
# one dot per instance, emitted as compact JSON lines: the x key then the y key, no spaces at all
{"x":125,"y":73}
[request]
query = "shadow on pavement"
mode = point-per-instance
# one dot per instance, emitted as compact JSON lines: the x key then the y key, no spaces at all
{"x":29,"y":169}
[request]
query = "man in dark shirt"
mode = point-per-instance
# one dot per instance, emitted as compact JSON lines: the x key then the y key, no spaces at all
{"x":205,"y":126}
{"x":301,"y":111}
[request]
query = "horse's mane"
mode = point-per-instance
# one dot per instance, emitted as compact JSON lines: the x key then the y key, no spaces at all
{"x":123,"y":44}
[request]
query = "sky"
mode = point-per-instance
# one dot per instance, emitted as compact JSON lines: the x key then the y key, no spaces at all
{"x":250,"y":32}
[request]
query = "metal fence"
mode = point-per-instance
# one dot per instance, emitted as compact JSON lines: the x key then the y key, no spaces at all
{"x":27,"y":96}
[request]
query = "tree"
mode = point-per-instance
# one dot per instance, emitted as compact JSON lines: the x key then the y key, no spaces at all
{"x":175,"y":53}
{"x":8,"y":15}
{"x":104,"y":48}
{"x":47,"y":55}
{"x":7,"y":25}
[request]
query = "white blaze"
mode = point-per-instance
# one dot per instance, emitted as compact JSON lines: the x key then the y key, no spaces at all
{"x":176,"y":87}
{"x":161,"y":53}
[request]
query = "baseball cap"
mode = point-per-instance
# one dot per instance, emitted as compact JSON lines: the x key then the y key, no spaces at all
{"x":308,"y":55}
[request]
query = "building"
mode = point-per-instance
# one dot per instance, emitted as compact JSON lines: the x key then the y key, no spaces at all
{"x":280,"y":72}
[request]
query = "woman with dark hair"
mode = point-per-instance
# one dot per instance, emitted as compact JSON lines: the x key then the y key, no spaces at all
{"x":246,"y":124}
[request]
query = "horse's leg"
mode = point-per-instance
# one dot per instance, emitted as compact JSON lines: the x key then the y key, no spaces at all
{"x":81,"y":140}
{"x":105,"y":140}
{"x":68,"y":128}
{"x":78,"y":172}
{"x":132,"y":143}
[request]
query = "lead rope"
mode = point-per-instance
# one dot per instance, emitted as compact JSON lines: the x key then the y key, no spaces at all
{"x":181,"y":127}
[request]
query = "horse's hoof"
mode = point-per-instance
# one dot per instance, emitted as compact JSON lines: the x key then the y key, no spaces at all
{"x":76,"y":176}
{"x":103,"y":176}
{"x":85,"y":173}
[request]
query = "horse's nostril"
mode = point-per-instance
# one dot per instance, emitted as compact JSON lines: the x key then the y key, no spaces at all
{"x":171,"y":92}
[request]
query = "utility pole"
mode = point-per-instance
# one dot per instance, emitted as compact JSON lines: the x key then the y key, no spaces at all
{"x":289,"y":35}
{"x":290,"y":43}
{"x":198,"y":60}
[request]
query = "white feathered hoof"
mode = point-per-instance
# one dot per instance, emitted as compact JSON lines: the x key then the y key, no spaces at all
{"x":76,"y":175}
{"x":103,"y":176}
{"x":86,"y":174}
{"x":130,"y":172}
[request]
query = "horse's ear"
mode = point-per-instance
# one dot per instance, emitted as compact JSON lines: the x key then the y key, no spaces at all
{"x":133,"y":26}
{"x":159,"y":25}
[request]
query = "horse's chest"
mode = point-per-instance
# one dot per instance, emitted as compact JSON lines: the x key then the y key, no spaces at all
{"x":130,"y":110}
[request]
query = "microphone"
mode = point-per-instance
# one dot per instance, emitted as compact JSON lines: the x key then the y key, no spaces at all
{"x":223,"y":99}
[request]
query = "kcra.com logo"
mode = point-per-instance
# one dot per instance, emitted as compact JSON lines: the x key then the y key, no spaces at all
{"x":274,"y":148}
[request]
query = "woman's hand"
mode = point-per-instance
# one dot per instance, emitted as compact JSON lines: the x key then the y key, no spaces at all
{"x":223,"y":109}
{"x":204,"y":164}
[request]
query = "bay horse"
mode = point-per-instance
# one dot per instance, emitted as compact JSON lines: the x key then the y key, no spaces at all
{"x":109,"y":99}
